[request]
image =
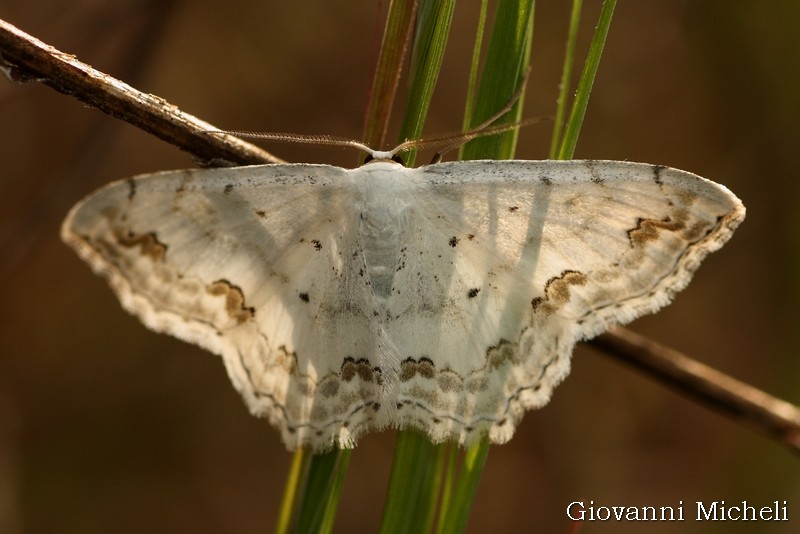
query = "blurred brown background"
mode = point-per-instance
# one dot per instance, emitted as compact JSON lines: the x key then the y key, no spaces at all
{"x":107,"y":427}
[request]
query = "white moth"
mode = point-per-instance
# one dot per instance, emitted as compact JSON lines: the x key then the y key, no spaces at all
{"x":445,"y":298}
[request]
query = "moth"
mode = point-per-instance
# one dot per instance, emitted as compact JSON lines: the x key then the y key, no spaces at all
{"x":446,"y":298}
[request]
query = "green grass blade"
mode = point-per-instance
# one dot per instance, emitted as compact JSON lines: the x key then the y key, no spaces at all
{"x":472,"y":87}
{"x":447,"y":485}
{"x":433,"y":27}
{"x":566,"y":77}
{"x":322,"y":491}
{"x":413,"y":486}
{"x":457,"y":515}
{"x":436,"y":479}
{"x":292,"y":490}
{"x":581,"y":102}
{"x":504,"y":70}
{"x":332,"y":503}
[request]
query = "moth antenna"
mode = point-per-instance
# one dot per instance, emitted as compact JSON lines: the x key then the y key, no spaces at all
{"x":453,"y":141}
{"x":449,"y":141}
{"x":322,"y":140}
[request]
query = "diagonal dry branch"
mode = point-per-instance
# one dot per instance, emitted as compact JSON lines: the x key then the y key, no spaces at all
{"x":742,"y":402}
{"x":25,"y":58}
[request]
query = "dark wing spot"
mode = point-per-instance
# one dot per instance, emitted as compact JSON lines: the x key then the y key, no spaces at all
{"x":352,"y":368}
{"x":593,"y":170}
{"x":408,"y":368}
{"x":348,"y":370}
{"x":657,"y":170}
{"x":411,"y":367}
{"x":364,"y":370}
{"x":131,"y":188}
{"x":426,"y":367}
{"x":228,"y":188}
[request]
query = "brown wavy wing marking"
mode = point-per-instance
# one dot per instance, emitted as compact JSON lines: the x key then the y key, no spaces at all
{"x":557,"y":291}
{"x":648,"y":230}
{"x":234,"y":300}
{"x":148,"y":244}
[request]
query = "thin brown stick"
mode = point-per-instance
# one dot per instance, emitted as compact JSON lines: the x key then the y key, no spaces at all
{"x":26,"y":58}
{"x":752,"y":407}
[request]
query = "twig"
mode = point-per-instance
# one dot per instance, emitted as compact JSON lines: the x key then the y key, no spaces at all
{"x":25,"y":58}
{"x":742,"y":402}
